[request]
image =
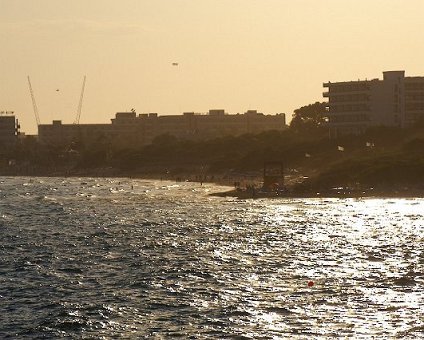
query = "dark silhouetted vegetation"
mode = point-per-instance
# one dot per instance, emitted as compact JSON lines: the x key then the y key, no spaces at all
{"x":309,"y":118}
{"x":380,"y":158}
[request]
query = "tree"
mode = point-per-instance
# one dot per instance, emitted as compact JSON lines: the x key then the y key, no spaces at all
{"x":309,"y":117}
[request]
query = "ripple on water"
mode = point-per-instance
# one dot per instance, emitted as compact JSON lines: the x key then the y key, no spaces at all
{"x":130,"y":258}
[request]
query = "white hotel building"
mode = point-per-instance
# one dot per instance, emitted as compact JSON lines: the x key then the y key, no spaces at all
{"x":353,"y":106}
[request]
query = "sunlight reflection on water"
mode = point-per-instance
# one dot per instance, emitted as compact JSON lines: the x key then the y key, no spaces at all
{"x":132,"y":258}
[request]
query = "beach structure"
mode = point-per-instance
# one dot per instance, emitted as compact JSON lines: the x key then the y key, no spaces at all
{"x":353,"y":106}
{"x":273,"y":176}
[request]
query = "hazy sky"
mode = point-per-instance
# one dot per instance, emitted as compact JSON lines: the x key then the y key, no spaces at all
{"x":270,"y":55}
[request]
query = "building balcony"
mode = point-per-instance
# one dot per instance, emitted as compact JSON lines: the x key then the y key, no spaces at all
{"x":414,"y":100}
{"x":347,"y":124}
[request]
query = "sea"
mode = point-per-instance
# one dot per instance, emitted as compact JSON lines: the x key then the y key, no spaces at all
{"x":109,"y":258}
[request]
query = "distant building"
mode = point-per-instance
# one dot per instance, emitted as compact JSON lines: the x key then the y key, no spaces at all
{"x":353,"y":106}
{"x":9,"y":129}
{"x":130,"y":129}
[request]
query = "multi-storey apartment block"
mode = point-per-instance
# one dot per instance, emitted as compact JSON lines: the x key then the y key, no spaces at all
{"x":9,"y":130}
{"x":353,"y":106}
{"x":129,"y":129}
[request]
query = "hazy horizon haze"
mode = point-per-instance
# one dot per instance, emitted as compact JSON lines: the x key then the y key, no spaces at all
{"x":269,"y":55}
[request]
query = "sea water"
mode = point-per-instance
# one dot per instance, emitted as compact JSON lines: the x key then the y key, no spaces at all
{"x":109,"y":258}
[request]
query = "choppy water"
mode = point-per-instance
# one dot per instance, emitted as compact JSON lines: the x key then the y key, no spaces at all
{"x":92,"y":258}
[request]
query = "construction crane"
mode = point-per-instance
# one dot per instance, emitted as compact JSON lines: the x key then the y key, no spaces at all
{"x":34,"y":104}
{"x":77,"y":119}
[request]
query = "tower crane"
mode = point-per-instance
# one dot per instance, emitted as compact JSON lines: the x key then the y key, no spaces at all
{"x":77,"y":119}
{"x":34,"y":104}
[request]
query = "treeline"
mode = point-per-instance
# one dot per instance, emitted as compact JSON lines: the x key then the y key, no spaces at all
{"x":241,"y":153}
{"x":381,"y":156}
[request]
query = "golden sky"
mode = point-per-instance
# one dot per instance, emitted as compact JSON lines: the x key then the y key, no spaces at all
{"x":269,"y":55}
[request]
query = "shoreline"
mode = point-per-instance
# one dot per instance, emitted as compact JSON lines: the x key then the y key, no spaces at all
{"x":243,"y":193}
{"x":274,"y":195}
{"x":226,"y":179}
